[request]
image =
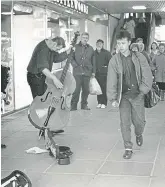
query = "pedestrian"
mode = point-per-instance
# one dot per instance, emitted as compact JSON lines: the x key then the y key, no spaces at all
{"x":130,"y":26}
{"x":154,"y":50}
{"x":129,"y":78}
{"x":102,"y":57}
{"x":141,"y":50}
{"x":41,"y":62}
{"x":84,"y":68}
{"x":158,"y":66}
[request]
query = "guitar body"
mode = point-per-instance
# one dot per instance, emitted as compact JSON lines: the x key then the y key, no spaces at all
{"x":59,"y":99}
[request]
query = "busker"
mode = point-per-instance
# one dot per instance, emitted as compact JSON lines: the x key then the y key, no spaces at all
{"x":40,"y":65}
{"x":129,"y":78}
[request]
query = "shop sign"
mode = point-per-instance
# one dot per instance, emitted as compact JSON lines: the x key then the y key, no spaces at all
{"x":73,"y":4}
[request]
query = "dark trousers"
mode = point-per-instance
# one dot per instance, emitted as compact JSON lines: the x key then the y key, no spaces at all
{"x":131,"y":111}
{"x":82,"y":82}
{"x":102,"y":80}
{"x":37,"y":84}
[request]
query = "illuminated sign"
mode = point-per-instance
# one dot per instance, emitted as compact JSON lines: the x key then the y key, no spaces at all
{"x":73,"y":4}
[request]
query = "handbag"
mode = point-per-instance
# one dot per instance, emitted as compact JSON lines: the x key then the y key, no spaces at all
{"x":152,"y":97}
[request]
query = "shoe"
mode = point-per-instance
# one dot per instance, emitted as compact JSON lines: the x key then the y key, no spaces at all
{"x":98,"y":106}
{"x":73,"y":109}
{"x":3,"y":146}
{"x":103,"y":106}
{"x":85,"y":108}
{"x":139,"y":140}
{"x":127,"y":154}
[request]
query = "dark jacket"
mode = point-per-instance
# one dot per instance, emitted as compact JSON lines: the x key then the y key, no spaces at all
{"x":115,"y":76}
{"x":83,"y":60}
{"x":43,"y":57}
{"x":102,"y":60}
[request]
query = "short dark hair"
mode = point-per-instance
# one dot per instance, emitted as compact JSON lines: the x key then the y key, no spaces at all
{"x":123,"y":34}
{"x":99,"y":40}
{"x":85,"y":33}
{"x":161,"y":44}
{"x":155,"y":44}
{"x":59,"y":41}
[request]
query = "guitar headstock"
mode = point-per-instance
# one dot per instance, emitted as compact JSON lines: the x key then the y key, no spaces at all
{"x":76,"y":35}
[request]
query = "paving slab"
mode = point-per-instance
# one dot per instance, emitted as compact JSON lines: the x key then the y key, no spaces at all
{"x":95,"y":139}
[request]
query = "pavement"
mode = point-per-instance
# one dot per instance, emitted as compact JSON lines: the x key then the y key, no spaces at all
{"x":95,"y":139}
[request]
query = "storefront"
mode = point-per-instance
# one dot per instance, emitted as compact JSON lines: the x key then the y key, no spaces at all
{"x":30,"y":23}
{"x":7,"y":77}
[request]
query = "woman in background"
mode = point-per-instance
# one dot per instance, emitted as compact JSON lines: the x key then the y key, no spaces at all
{"x":158,"y":66}
{"x":154,"y":50}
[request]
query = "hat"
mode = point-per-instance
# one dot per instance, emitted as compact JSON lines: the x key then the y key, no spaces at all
{"x":134,"y":45}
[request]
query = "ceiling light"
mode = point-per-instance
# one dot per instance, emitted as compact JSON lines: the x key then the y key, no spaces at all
{"x":139,"y":7}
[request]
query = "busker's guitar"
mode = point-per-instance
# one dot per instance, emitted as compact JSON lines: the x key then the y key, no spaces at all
{"x":52,"y":109}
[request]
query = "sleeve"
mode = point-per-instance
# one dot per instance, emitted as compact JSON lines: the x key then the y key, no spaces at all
{"x":59,"y":57}
{"x":147,"y":57}
{"x":153,"y":64}
{"x":133,"y":23}
{"x":73,"y":61}
{"x":42,"y":60}
{"x":111,"y":81}
{"x":109,"y":56}
{"x":146,"y":83}
{"x":93,"y":62}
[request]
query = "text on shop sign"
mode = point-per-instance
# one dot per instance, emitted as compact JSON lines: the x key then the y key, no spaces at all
{"x":74,"y":4}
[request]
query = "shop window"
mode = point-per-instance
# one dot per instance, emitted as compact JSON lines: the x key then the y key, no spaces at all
{"x":7,"y":91}
{"x":29,"y":23}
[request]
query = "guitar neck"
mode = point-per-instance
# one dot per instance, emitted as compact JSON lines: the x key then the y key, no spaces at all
{"x":64,"y":72}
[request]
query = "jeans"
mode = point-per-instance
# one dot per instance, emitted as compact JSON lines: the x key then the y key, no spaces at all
{"x":102,"y":80}
{"x":82,"y":82}
{"x":131,"y":111}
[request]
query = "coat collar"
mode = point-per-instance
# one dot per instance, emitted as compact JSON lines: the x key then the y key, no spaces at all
{"x":100,"y":51}
{"x":87,"y":45}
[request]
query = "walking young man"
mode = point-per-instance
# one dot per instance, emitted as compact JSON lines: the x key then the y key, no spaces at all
{"x":102,"y":57}
{"x":129,"y":78}
{"x":83,"y":68}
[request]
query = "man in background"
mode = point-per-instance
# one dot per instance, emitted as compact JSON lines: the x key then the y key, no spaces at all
{"x":102,"y":57}
{"x":83,"y":63}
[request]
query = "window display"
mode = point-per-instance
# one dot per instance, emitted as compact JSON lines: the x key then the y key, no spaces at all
{"x":7,"y":93}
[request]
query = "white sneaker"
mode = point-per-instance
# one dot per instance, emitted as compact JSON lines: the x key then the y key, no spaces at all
{"x":98,"y":106}
{"x":103,"y":106}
